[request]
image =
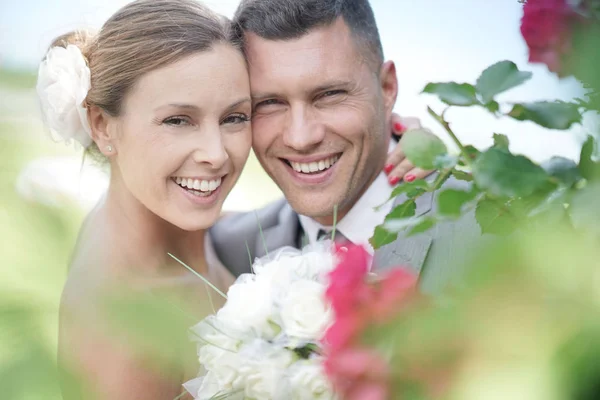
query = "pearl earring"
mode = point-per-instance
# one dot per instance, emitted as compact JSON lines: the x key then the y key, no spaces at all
{"x":109,"y":148}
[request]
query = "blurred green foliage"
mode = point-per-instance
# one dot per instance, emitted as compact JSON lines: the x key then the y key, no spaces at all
{"x":17,"y":79}
{"x":35,"y":243}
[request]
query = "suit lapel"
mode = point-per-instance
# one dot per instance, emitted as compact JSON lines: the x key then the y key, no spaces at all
{"x":406,"y":251}
{"x":284,"y":233}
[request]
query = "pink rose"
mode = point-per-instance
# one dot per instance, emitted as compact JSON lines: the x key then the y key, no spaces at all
{"x":347,"y":284}
{"x":546,"y":27}
{"x":359,"y":374}
{"x":393,"y":292}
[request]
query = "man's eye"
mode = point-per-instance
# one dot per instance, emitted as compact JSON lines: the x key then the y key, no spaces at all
{"x":176,"y":121}
{"x":268,"y":102}
{"x":236,"y":119}
{"x":331,"y":93}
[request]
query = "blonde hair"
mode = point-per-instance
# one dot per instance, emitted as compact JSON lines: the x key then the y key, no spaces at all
{"x":142,"y":36}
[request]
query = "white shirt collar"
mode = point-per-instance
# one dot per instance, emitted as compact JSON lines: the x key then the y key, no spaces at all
{"x":359,"y":224}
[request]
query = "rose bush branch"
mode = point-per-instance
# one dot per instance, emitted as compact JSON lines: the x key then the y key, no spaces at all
{"x":506,"y":190}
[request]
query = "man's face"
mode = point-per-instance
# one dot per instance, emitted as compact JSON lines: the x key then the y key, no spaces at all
{"x":320,"y":117}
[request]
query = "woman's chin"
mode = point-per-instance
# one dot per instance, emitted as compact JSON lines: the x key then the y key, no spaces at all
{"x":192,"y":224}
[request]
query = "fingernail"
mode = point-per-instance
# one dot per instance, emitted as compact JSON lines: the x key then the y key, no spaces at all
{"x":398,"y":127}
{"x":410,"y":178}
{"x":388,"y":168}
{"x":393,"y":180}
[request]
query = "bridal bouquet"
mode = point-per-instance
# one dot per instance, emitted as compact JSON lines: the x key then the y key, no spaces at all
{"x":266,"y":341}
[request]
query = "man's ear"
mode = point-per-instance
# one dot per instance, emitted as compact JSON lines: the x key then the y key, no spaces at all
{"x":101,"y":135}
{"x":389,"y":86}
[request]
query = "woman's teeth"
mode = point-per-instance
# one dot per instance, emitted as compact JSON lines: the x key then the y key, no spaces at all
{"x":316,"y":166}
{"x":198,"y":186}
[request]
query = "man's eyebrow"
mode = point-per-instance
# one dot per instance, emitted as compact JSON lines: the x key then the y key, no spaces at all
{"x":262,"y":96}
{"x":256,"y":97}
{"x":332,"y":85}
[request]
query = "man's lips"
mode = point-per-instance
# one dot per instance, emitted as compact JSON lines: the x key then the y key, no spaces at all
{"x":313,"y":164}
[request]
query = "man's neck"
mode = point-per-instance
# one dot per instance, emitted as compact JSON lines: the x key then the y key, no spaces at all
{"x":338,"y":213}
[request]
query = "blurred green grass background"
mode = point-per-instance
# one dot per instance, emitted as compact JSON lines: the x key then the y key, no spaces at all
{"x":36,"y":241}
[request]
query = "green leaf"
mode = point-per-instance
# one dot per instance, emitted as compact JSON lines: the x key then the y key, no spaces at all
{"x":462,"y":176}
{"x":407,"y":187}
{"x":493,"y":107}
{"x":451,"y":201}
{"x":584,"y":210}
{"x":503,"y":174}
{"x":552,"y":115}
{"x":471,"y":152}
{"x":404,"y":210}
{"x":381,"y":237}
{"x":424,"y":225}
{"x":453,"y":94}
{"x":563,"y":169}
{"x":588,"y":168}
{"x":399,"y":225}
{"x":499,"y":78}
{"x":414,"y":193}
{"x":501,"y":141}
{"x":423,"y":148}
{"x":494,"y":218}
{"x":446,"y":161}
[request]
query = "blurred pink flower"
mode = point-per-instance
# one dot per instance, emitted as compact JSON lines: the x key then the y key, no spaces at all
{"x":393,"y":292}
{"x":348,"y":288}
{"x":359,"y":374}
{"x":546,"y":27}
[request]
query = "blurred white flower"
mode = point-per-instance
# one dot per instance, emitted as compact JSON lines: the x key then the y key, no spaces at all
{"x":308,"y":381}
{"x":254,"y":342}
{"x":264,"y":369}
{"x":62,"y":86}
{"x":249,"y":308}
{"x":61,"y":182}
{"x":305,"y":313}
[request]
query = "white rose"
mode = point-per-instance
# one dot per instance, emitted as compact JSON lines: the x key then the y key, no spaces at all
{"x":224,"y":367}
{"x":305,"y":314}
{"x":264,"y":369}
{"x":62,"y":86}
{"x":210,"y":389}
{"x":308,"y":381}
{"x":218,"y":349}
{"x":211,"y":331}
{"x":276,"y":273}
{"x":317,"y":263}
{"x":249,"y":308}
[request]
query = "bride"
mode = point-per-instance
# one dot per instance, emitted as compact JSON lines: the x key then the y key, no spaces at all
{"x":162,"y":95}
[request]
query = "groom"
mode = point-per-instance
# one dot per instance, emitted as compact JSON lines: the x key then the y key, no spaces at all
{"x":322,"y":97}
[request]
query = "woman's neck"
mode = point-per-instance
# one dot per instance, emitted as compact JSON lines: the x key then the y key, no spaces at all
{"x":145,"y":239}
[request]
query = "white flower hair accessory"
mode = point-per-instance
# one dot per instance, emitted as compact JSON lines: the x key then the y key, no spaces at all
{"x":62,"y":86}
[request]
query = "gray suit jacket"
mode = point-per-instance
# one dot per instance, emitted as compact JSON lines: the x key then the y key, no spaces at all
{"x":438,"y":255}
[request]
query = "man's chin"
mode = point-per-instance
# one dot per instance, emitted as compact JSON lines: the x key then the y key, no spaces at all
{"x":320,"y":209}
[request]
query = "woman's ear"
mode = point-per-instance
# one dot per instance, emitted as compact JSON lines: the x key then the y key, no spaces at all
{"x":101,"y":134}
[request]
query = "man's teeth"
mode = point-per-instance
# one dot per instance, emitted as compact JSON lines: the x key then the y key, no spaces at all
{"x":197,"y":184}
{"x":316,"y":166}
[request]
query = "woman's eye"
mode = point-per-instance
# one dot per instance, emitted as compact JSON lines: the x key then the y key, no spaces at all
{"x":176,"y":121}
{"x":236,"y":119}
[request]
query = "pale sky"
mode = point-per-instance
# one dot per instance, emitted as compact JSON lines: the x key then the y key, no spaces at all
{"x":430,"y":40}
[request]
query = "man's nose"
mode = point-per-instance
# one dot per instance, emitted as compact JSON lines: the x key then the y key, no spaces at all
{"x":302,"y":131}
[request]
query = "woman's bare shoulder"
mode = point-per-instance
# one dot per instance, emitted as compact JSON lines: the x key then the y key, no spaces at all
{"x":93,"y":266}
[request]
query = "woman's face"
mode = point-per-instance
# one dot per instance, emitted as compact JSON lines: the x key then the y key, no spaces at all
{"x":184,"y":136}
